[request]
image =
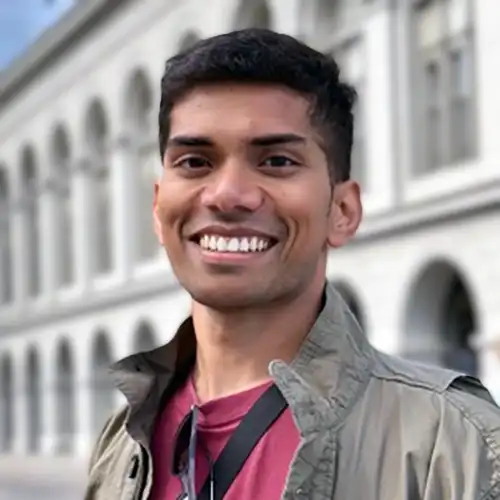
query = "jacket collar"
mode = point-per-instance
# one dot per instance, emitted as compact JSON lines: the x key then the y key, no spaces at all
{"x":329,"y":373}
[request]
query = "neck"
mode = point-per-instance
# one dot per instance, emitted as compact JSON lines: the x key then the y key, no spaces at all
{"x":234,"y":349}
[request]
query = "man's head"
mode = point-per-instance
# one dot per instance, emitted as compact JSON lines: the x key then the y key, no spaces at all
{"x":255,"y":138}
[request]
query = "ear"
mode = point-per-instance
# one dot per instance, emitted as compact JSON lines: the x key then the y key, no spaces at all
{"x":346,"y":213}
{"x":156,"y":217}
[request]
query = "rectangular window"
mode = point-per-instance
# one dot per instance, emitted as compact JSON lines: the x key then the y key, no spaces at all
{"x":434,"y":116}
{"x":444,"y":101}
{"x":461,"y":105}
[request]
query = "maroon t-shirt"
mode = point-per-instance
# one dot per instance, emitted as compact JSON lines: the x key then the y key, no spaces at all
{"x":264,"y":473}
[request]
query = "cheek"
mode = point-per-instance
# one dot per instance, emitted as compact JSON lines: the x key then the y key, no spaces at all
{"x":307,"y":217}
{"x":168,"y":214}
{"x":173,"y":201}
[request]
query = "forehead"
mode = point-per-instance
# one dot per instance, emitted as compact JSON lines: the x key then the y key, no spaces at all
{"x":241,"y":110}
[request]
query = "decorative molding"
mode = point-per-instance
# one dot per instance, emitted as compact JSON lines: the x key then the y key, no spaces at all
{"x":163,"y":283}
{"x":408,"y":217}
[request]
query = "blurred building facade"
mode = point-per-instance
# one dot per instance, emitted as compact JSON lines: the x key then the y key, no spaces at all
{"x":82,"y":278}
{"x":21,"y":23}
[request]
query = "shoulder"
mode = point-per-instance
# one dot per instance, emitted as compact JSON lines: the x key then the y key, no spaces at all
{"x":110,"y":437}
{"x":475,"y":410}
{"x":449,"y":420}
{"x":112,"y":461}
{"x":442,"y":388}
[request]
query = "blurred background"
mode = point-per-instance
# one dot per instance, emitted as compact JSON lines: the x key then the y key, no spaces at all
{"x":83,"y":281}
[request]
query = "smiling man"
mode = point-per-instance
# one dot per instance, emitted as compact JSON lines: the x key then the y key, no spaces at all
{"x":270,"y":390}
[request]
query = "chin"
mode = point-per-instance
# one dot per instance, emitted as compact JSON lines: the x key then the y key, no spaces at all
{"x":230,"y":296}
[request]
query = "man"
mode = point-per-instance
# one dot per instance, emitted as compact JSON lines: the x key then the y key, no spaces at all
{"x":270,"y":390}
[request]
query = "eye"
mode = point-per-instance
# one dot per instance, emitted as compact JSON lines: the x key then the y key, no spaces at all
{"x":192,"y":162}
{"x":279,"y":161}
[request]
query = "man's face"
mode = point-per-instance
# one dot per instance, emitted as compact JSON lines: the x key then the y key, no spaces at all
{"x":245,"y":208}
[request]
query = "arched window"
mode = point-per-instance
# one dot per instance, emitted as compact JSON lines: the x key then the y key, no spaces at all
{"x":458,"y":325}
{"x":139,"y":104}
{"x":6,"y":264}
{"x":188,"y":40}
{"x":256,"y":14}
{"x":351,"y":300}
{"x":97,"y":138}
{"x":31,"y":226}
{"x":65,"y":398}
{"x":33,"y":401}
{"x":144,"y":338}
{"x":61,"y":190}
{"x":6,"y":403}
{"x":103,"y":391}
{"x":441,"y":319}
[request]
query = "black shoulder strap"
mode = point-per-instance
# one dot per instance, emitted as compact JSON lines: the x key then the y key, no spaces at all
{"x":254,"y":425}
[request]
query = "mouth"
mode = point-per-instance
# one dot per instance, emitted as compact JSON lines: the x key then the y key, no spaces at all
{"x":244,"y":244}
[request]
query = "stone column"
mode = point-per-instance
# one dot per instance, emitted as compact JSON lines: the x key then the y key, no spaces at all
{"x":84,"y":439}
{"x":20,"y":426}
{"x":123,"y":203}
{"x":289,"y":19}
{"x":405,"y":68}
{"x":49,"y":402}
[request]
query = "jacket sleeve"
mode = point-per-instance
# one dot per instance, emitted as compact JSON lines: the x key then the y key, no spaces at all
{"x":99,"y":444}
{"x":465,"y":460}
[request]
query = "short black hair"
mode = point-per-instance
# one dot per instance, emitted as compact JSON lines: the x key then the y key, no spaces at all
{"x":264,"y":56}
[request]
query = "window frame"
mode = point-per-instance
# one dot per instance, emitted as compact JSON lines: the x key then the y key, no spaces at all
{"x":440,"y":52}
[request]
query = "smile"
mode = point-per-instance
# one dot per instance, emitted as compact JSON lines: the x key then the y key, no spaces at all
{"x":234,"y":244}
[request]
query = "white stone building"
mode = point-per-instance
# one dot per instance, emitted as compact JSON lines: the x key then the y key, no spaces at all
{"x":82,"y":279}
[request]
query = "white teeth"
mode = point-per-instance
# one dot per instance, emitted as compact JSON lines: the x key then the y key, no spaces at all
{"x":244,"y":246}
{"x":221,"y":244}
{"x":234,"y":244}
{"x":212,"y":243}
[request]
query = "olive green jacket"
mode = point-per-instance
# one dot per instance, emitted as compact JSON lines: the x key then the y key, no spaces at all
{"x":372,"y":426}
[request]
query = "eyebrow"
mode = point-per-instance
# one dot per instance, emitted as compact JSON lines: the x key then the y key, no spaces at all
{"x":259,"y":141}
{"x":277,"y":139}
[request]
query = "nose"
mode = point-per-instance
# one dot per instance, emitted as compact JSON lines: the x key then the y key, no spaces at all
{"x":232,"y":188}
